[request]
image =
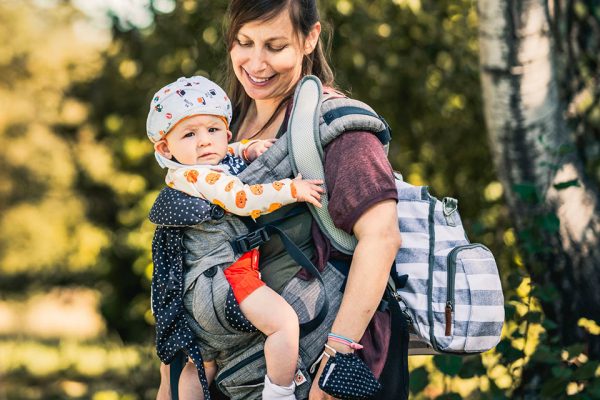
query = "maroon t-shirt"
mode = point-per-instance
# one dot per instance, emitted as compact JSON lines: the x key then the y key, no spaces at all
{"x":358,"y":175}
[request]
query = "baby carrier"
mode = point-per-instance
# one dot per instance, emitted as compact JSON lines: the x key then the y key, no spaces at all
{"x":175,"y":257}
{"x":452,"y":296}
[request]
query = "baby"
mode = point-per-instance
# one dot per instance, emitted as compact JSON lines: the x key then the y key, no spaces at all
{"x":188,"y":123}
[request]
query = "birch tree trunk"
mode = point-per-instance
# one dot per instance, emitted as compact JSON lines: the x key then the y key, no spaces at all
{"x":555,"y":209}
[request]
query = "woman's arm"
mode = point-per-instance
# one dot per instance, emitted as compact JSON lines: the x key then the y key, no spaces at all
{"x":378,"y":242}
{"x":362,"y":201}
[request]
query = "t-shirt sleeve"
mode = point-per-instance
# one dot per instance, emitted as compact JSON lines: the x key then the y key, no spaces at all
{"x":358,"y":175}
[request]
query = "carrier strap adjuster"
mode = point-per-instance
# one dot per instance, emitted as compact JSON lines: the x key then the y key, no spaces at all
{"x":250,"y":241}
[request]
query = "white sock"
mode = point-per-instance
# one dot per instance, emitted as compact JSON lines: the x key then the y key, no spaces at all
{"x":276,"y":392}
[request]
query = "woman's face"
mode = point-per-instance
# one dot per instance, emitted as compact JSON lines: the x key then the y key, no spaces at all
{"x":267,"y":56}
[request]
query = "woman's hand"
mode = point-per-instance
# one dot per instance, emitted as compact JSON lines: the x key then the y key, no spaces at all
{"x":315,"y":391}
{"x":257,"y":148}
{"x":308,"y":190}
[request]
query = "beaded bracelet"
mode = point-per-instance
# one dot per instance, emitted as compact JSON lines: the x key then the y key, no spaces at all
{"x":344,"y":340}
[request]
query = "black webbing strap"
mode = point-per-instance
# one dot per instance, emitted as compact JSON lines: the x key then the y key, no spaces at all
{"x":384,"y":136}
{"x":298,"y":256}
{"x":175,"y":368}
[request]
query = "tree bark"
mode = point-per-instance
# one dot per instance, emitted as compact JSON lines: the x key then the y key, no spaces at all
{"x":555,"y":208}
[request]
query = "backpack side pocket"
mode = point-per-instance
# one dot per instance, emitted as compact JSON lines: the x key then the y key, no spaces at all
{"x":474,"y":309}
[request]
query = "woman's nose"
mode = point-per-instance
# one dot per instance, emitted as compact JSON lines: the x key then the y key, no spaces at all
{"x":257,"y":60}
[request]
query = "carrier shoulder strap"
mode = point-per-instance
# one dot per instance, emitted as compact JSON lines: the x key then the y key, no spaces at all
{"x":309,"y":132}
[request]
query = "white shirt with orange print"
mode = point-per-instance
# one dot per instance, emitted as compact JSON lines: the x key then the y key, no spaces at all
{"x":238,"y":149}
{"x":216,"y":185}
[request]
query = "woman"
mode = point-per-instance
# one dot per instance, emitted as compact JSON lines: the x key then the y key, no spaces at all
{"x":272,"y":44}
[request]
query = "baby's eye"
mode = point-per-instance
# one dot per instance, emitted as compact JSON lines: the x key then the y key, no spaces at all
{"x":189,"y":134}
{"x":213,"y":130}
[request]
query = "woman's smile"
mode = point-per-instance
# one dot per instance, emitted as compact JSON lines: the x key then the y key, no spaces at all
{"x":259,"y":81}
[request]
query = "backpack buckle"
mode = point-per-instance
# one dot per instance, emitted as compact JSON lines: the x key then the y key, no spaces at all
{"x":248,"y":242}
{"x":450,"y":205}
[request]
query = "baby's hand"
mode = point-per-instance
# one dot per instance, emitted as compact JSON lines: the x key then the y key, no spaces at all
{"x":256,"y":148}
{"x":309,"y":190}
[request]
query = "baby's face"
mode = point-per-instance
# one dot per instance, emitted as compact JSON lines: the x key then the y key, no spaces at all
{"x":200,"y":139}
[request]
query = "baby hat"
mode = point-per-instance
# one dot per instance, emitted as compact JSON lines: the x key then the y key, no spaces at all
{"x":184,"y":98}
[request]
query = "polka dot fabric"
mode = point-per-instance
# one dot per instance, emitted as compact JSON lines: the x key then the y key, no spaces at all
{"x":233,"y":315}
{"x":173,"y":211}
{"x":347,"y":377}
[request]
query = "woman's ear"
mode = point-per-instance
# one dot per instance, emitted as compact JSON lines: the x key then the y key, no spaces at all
{"x":312,"y":38}
{"x":163,"y":148}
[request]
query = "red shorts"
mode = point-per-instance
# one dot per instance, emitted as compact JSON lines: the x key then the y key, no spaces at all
{"x":243,"y":275}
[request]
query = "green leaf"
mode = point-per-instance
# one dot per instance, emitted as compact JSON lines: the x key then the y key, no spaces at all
{"x":533,"y":317}
{"x":449,"y":396}
{"x":509,"y":311}
{"x":515,"y":279}
{"x":567,"y":184}
{"x":566,"y":149}
{"x":560,"y":371}
{"x":586,"y":371}
{"x":546,"y":292}
{"x":472,"y":367}
{"x":419,"y":378}
{"x":550,"y":223}
{"x":549,"y":325}
{"x":546,"y":355}
{"x":575,"y":349}
{"x":449,"y":365}
{"x":526,"y":192}
{"x":594,"y":389}
{"x":554,"y":388}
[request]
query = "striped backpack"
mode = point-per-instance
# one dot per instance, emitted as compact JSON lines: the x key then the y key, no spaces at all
{"x":453,"y":293}
{"x":453,"y":296}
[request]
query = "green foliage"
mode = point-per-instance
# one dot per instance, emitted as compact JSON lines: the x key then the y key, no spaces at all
{"x":78,"y":175}
{"x":449,"y":365}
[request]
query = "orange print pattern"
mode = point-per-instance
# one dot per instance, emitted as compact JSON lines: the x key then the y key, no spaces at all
{"x":274,"y":206}
{"x":229,"y":186}
{"x":191,"y":175}
{"x":212,"y":177}
{"x":257,"y":189}
{"x":277,"y":185}
{"x":255,"y":214}
{"x":240,"y":199}
{"x":293,"y":189}
{"x":218,"y":203}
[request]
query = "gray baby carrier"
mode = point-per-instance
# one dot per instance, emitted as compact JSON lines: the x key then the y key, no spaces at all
{"x":210,"y":310}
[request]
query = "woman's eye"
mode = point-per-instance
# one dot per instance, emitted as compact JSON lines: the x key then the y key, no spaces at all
{"x":276,"y":48}
{"x":243,"y":44}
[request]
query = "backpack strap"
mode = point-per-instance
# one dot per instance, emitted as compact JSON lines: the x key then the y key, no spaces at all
{"x":306,"y":152}
{"x":384,"y":135}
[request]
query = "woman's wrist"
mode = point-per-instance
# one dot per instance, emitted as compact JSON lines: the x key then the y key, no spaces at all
{"x":339,"y":347}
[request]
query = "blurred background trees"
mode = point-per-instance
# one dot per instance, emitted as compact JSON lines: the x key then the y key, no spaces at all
{"x":78,"y":177}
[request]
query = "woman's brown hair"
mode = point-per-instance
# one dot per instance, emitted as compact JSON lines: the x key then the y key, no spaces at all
{"x":303,"y":14}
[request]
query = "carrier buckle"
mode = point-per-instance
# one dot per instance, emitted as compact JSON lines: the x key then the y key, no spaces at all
{"x":250,"y":241}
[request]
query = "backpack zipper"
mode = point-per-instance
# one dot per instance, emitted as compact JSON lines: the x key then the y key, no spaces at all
{"x":451,"y":281}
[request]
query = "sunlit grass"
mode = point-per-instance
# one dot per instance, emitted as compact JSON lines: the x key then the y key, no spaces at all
{"x":72,"y":369}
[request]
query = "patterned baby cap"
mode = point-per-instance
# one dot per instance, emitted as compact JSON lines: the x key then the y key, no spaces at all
{"x":346,"y":376}
{"x":184,"y":98}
